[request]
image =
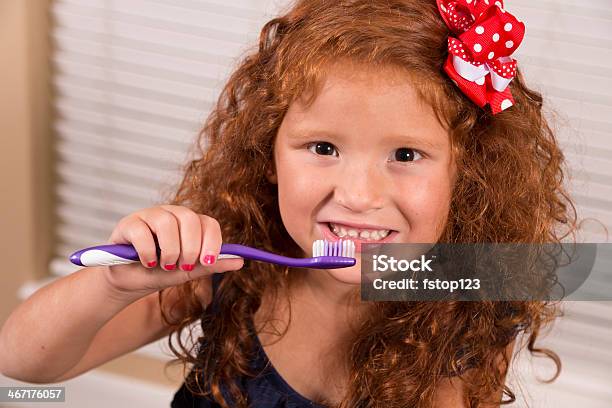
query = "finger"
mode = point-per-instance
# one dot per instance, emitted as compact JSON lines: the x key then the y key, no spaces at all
{"x":116,"y":236}
{"x":165,"y":227}
{"x":132,"y":230}
{"x":190,"y":231}
{"x":211,"y":240}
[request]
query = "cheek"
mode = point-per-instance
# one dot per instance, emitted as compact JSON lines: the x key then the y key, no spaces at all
{"x":297,"y":189}
{"x":299,"y":193}
{"x":426,"y":206}
{"x":291,"y":202}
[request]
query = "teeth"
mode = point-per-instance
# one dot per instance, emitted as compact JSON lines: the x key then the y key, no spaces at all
{"x":363,"y":234}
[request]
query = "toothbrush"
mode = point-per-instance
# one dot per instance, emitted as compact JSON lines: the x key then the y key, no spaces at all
{"x":325,"y":255}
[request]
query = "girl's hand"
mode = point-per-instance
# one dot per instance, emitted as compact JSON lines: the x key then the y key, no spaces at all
{"x":190,"y":244}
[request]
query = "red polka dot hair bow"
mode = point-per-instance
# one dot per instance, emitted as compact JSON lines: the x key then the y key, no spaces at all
{"x":479,"y":59}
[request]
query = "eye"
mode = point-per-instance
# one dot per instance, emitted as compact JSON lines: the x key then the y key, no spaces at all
{"x":322,"y":148}
{"x":406,"y":154}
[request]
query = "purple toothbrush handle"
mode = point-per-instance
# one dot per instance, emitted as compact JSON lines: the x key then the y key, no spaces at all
{"x":117,"y":254}
{"x":112,"y":254}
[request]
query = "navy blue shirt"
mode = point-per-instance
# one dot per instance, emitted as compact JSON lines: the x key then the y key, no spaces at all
{"x":266,"y":390}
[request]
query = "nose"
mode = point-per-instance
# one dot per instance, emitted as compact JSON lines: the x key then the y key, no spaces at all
{"x":360,"y":187}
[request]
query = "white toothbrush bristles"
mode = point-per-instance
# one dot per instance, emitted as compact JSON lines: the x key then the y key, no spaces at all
{"x":345,"y":248}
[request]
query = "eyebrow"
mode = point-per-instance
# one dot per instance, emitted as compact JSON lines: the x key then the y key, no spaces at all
{"x":405,"y":139}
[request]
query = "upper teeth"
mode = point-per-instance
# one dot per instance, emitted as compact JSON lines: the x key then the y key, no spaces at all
{"x":343,"y":231}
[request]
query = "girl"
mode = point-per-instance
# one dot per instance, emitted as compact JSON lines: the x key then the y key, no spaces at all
{"x":345,"y":122}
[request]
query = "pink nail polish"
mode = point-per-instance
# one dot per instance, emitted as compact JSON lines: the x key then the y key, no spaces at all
{"x":209,"y":259}
{"x":187,"y":267}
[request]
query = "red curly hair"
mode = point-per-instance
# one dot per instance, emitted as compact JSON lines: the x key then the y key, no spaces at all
{"x":509,"y":189}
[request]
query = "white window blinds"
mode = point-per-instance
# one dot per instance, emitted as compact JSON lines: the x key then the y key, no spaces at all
{"x":567,"y":55}
{"x":135,"y":79}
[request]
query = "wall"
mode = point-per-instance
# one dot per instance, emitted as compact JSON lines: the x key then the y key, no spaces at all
{"x":25,"y":143}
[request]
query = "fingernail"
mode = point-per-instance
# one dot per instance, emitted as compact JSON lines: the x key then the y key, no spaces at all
{"x":187,"y":267}
{"x":152,"y":264}
{"x":170,"y":266}
{"x":209,"y":259}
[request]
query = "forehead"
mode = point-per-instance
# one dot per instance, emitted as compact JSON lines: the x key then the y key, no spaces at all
{"x":351,"y":96}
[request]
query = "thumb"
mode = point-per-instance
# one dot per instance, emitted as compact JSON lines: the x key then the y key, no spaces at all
{"x":179,"y":276}
{"x":220,"y":265}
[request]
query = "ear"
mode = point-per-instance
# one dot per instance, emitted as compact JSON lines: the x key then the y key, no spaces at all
{"x":271,"y":174}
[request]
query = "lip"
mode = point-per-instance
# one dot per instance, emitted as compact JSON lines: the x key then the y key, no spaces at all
{"x":330,"y":236}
